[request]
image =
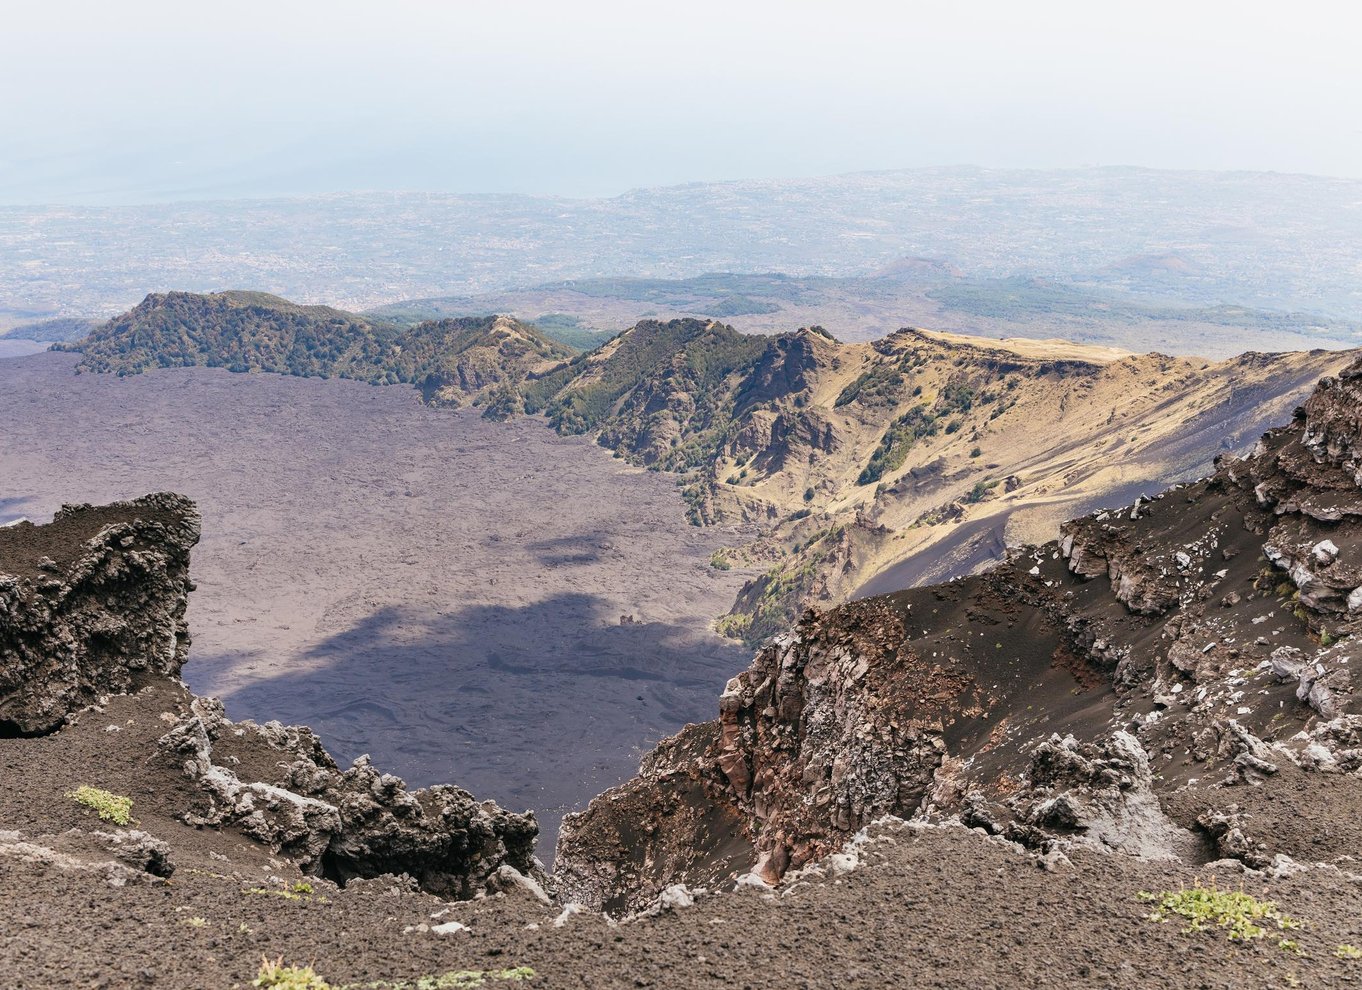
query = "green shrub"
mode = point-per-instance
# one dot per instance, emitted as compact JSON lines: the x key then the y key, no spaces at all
{"x":893,"y":449}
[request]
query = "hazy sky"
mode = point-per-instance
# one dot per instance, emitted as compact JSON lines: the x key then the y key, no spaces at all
{"x":150,"y":99}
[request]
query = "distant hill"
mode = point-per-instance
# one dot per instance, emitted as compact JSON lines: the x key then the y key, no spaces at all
{"x":664,"y":393}
{"x":60,"y":329}
{"x":563,"y":328}
{"x":586,"y":312}
{"x":448,"y":360}
{"x":242,"y":331}
{"x":1270,"y":241}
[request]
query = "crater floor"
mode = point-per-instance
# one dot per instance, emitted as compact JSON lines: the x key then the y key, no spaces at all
{"x":441,"y":592}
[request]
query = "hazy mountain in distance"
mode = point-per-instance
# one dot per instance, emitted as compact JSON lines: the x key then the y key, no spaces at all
{"x":1265,"y":240}
{"x":911,"y":292}
{"x":59,"y":329}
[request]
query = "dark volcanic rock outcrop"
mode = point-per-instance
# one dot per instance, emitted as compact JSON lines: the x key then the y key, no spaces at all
{"x":1168,"y":655}
{"x":91,"y":604}
{"x":92,"y":609}
{"x":868,"y":710}
{"x":341,"y":824}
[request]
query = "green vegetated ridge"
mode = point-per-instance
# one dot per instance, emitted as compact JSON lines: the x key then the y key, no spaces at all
{"x":243,"y":331}
{"x":449,"y":360}
{"x":664,"y":394}
{"x":665,"y":391}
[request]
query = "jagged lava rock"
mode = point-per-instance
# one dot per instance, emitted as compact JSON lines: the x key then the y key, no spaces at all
{"x":91,"y":603}
{"x":92,"y":606}
{"x":343,"y":824}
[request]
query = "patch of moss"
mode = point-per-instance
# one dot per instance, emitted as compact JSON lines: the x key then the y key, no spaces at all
{"x":111,"y":807}
{"x":1243,"y":916}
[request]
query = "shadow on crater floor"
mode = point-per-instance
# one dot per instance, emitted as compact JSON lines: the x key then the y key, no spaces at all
{"x":541,"y":706}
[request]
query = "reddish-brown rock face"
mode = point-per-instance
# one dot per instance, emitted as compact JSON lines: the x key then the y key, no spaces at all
{"x":815,"y":740}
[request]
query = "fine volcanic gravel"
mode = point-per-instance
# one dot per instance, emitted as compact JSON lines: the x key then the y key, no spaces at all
{"x":468,"y":602}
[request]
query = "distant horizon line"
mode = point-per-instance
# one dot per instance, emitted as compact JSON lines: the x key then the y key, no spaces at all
{"x":963,"y":167}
